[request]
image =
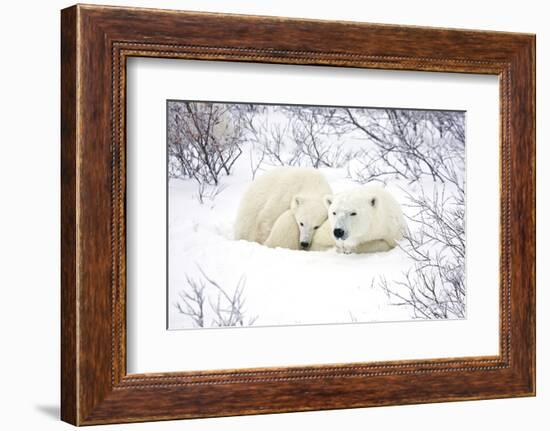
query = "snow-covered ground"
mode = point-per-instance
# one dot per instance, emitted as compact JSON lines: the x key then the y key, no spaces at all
{"x":279,"y":286}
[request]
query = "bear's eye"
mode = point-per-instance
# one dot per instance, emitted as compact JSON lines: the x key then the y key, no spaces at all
{"x":301,"y":224}
{"x":353,"y":214}
{"x":316,"y":227}
{"x":334,"y":213}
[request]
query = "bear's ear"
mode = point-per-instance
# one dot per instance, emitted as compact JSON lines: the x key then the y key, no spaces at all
{"x":327,"y":199}
{"x":373,"y":202}
{"x":296,"y":202}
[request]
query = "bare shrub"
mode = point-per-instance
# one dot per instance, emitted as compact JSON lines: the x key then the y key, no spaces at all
{"x":405,"y":144}
{"x":204,"y":140}
{"x":192,"y":302}
{"x":256,"y":161}
{"x":435,"y":289}
{"x":295,"y":136}
{"x":269,"y":141}
{"x":316,"y":142}
{"x":208,"y":192}
{"x":208,"y":304}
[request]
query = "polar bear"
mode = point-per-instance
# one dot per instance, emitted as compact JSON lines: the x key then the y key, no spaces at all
{"x":283,"y":208}
{"x":289,"y":230}
{"x":366,"y":219}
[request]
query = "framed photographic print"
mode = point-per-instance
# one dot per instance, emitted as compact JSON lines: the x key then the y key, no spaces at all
{"x":266,"y":215}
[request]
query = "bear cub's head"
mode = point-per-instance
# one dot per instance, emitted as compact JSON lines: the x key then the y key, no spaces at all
{"x":351,"y":214}
{"x":310,"y":214}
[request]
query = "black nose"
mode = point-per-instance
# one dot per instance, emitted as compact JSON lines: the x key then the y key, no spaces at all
{"x":304,"y":244}
{"x":338,"y":233}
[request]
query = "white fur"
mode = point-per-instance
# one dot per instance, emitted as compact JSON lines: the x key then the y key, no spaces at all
{"x":285,"y":232}
{"x":369,"y":218}
{"x":283,"y":207}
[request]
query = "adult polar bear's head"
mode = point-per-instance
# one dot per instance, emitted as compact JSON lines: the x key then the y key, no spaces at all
{"x":309,"y":213}
{"x":362,"y":214}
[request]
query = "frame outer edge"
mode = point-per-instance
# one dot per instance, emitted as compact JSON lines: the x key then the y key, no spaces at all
{"x":69,"y":201}
{"x":531,"y":83}
{"x":533,"y":54}
{"x":532,"y":126}
{"x":523,"y":179}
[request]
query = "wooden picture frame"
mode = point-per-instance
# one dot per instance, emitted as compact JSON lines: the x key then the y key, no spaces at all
{"x":96,"y":41}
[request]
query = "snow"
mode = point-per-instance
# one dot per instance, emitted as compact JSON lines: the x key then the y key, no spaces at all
{"x":282,"y":287}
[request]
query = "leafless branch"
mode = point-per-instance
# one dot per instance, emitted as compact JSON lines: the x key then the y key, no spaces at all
{"x":204,"y":140}
{"x":208,"y":192}
{"x":208,"y":304}
{"x":436,"y":288}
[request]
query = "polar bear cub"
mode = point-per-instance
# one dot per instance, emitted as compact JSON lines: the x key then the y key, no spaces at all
{"x":362,"y":220}
{"x":283,"y":208}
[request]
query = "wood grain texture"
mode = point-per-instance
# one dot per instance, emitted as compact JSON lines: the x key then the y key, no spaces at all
{"x":96,"y":41}
{"x":69,"y":331}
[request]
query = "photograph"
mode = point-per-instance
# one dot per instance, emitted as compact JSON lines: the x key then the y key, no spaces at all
{"x":283,"y":214}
